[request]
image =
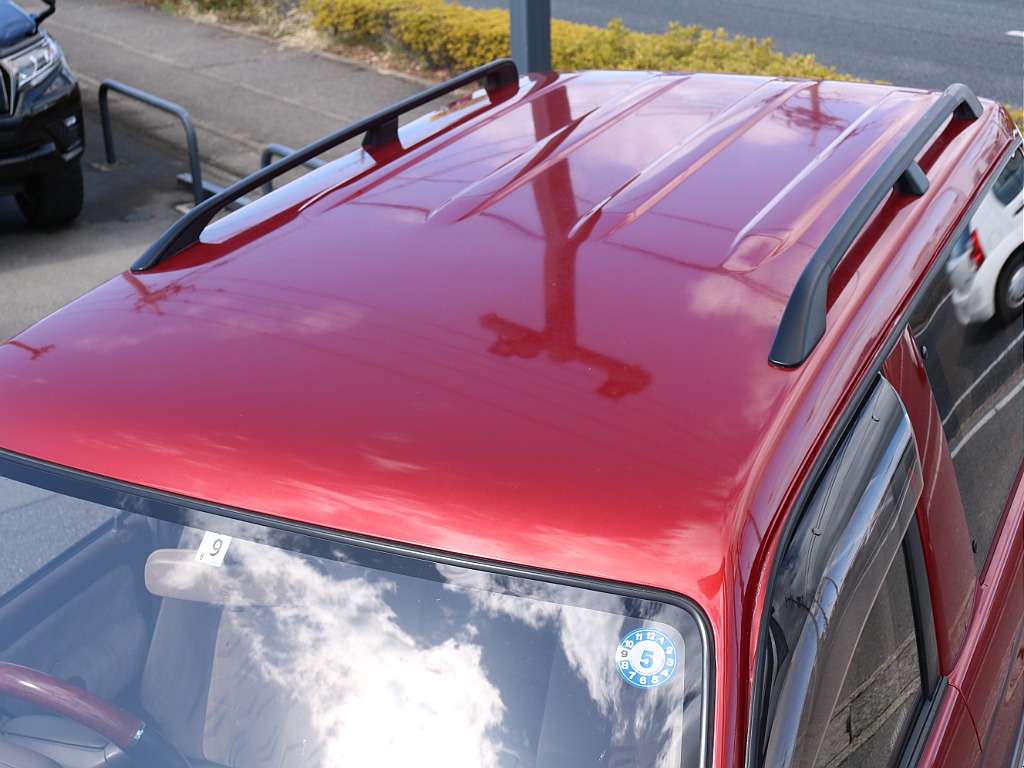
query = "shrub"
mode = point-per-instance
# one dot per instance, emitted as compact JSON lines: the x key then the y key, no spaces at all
{"x":447,"y":35}
{"x":1018,"y":118}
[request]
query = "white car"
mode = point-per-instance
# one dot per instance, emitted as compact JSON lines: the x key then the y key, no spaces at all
{"x":987,"y":266}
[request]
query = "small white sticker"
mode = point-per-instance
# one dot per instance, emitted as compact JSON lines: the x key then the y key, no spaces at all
{"x":213,"y":549}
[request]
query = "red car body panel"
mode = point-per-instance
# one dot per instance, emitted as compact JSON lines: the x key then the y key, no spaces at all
{"x":506,"y":343}
{"x":980,"y":626}
{"x":990,"y":673}
{"x":951,"y":569}
{"x":954,"y":739}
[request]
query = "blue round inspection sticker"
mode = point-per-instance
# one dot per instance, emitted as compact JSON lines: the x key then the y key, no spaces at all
{"x":646,"y":658}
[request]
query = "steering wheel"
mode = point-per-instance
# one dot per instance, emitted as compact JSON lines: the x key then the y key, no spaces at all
{"x":140,"y":742}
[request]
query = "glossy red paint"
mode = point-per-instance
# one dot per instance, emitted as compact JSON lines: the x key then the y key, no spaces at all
{"x":990,"y":672}
{"x":540,"y":340}
{"x":954,"y":740}
{"x":940,"y":513}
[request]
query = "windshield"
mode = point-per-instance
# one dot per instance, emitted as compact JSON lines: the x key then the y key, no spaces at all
{"x":256,"y":646}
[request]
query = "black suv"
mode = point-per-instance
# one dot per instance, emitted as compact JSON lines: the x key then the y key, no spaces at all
{"x":41,"y":131}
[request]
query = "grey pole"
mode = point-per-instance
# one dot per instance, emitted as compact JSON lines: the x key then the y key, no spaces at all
{"x":531,"y":34}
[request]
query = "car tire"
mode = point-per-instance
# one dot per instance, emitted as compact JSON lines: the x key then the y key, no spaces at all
{"x":1010,"y":288}
{"x":54,"y":199}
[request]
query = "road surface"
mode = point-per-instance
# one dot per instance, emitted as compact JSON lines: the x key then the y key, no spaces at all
{"x":919,"y":43}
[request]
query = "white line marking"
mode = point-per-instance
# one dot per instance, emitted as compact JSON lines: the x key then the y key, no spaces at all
{"x":987,"y":418}
{"x":921,"y":329}
{"x":1016,"y":33}
{"x":982,"y":377}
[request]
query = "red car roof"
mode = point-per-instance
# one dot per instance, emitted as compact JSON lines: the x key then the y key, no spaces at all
{"x":539,"y":336}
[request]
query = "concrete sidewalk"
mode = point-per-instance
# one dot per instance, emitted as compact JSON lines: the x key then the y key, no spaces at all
{"x":241,"y":91}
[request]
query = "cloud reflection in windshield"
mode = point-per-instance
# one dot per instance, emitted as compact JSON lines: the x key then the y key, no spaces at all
{"x":338,"y":664}
{"x":588,"y":635}
{"x":374,"y":694}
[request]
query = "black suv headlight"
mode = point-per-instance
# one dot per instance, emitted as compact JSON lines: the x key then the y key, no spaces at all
{"x":33,"y":64}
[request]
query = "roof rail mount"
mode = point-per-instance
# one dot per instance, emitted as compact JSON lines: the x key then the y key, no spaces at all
{"x":803,"y":321}
{"x":377,"y":130}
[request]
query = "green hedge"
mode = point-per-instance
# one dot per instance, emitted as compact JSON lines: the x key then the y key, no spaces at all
{"x":1018,"y":117}
{"x":446,"y":35}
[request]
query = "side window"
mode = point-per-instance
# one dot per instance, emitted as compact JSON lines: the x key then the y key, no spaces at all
{"x":849,"y":656}
{"x":973,"y":351}
{"x":24,"y":508}
{"x":883,"y":686}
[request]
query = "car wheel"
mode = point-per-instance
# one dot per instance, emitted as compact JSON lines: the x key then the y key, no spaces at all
{"x":53,"y":199}
{"x":1010,"y":288}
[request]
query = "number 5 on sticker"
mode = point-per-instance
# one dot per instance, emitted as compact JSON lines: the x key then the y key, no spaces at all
{"x":213,"y":548}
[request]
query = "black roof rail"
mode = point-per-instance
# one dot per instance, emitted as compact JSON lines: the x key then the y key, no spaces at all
{"x":377,"y":130}
{"x":803,"y":321}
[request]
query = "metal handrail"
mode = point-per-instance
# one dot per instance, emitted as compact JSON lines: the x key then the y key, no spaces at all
{"x":280,"y":150}
{"x":803,"y":321}
{"x":378,"y":130}
{"x":199,"y":194}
